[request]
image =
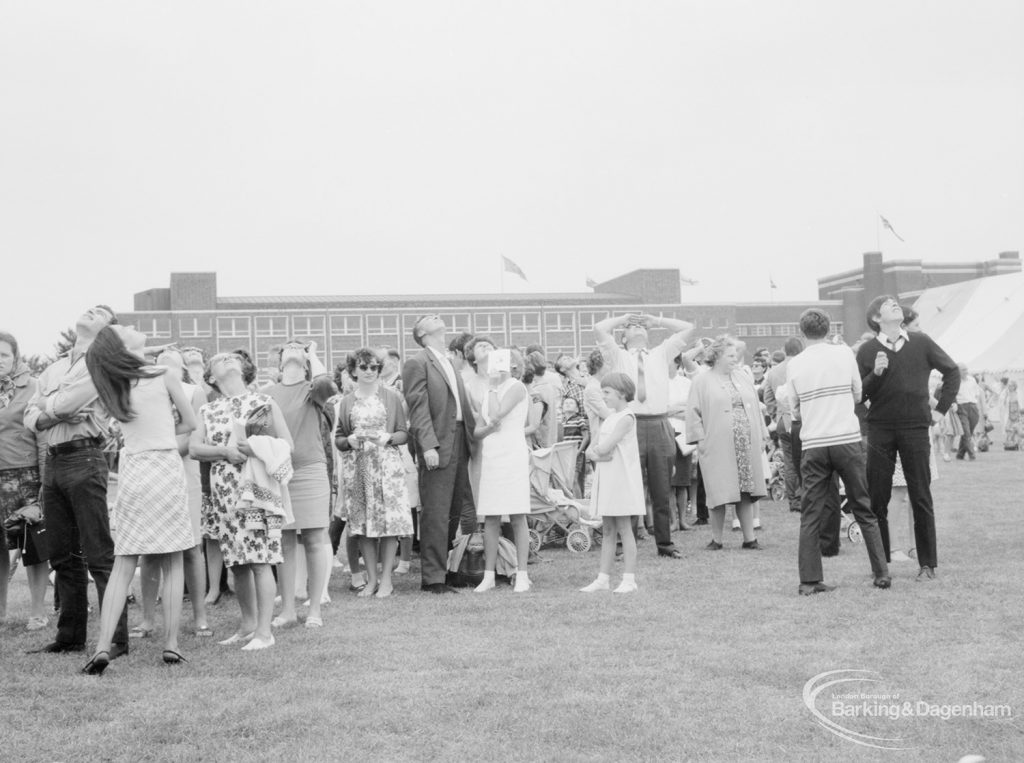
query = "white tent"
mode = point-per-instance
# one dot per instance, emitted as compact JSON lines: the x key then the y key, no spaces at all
{"x":978,"y":322}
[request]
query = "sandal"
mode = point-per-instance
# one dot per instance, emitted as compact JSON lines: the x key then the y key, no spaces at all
{"x":205,"y":632}
{"x":139,"y":632}
{"x":97,"y":664}
{"x":173,"y":658}
{"x":314,"y":622}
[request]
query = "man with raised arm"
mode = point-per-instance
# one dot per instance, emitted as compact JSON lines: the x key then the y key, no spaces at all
{"x":650,"y":369}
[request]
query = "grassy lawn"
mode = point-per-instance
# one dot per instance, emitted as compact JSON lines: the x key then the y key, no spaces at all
{"x":708,"y":661}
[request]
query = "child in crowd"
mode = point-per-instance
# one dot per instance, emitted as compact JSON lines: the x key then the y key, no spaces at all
{"x":618,"y":491}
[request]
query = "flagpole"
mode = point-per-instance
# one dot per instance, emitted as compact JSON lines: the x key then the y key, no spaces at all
{"x":501,"y":274}
{"x":878,"y":233}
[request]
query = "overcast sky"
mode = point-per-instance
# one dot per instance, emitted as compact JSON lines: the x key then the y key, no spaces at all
{"x":381,"y":147}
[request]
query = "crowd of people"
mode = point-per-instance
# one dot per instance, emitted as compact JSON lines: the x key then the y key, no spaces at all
{"x":222,"y":480}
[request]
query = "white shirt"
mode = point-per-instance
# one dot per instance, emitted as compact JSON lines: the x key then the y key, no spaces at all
{"x":822,"y":382}
{"x":449,"y":372}
{"x":969,"y":392}
{"x":895,"y":345}
{"x":659,"y":366}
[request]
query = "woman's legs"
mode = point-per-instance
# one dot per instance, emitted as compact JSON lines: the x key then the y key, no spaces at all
{"x":37,"y":580}
{"x":192,"y":562}
{"x":149,"y":572}
{"x":286,"y":580}
{"x":368,"y":548}
{"x":263,"y":583}
{"x":318,"y":564}
{"x":717,"y":522}
{"x":521,"y":532}
{"x":622,"y":525}
{"x":682,"y":498}
{"x":492,"y":531}
{"x":745,"y":514}
{"x":609,"y":529}
{"x":388,"y":548}
{"x":214,"y":567}
{"x":174,"y":590}
{"x":245,"y":592}
{"x":115,"y":598}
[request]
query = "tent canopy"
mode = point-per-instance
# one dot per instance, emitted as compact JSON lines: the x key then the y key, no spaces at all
{"x":978,"y":322}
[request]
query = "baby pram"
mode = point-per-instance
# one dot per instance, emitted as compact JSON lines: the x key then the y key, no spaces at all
{"x":555,"y":516}
{"x":776,"y":478}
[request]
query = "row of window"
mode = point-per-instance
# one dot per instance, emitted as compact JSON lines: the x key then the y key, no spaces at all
{"x":777,"y":329}
{"x":312,"y":326}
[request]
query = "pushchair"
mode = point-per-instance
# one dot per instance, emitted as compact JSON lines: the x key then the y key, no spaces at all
{"x":776,"y":478}
{"x":555,"y":516}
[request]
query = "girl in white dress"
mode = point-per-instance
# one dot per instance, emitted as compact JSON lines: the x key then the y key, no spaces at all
{"x":618,"y":490}
{"x":504,"y":468}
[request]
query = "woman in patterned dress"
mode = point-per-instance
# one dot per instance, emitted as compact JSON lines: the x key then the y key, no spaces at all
{"x":152,"y":504}
{"x":724,"y":418}
{"x":372,"y":425}
{"x":248,"y":548}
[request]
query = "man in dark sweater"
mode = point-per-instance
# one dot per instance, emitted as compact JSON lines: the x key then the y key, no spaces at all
{"x":895,"y":367}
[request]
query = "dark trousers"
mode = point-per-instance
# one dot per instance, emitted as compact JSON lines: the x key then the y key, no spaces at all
{"x":444,"y":493}
{"x":968,"y":415}
{"x":790,"y":470}
{"x":657,"y":458}
{"x":818,"y":465}
{"x":796,"y":450}
{"x":78,"y":529}
{"x":913,"y":448}
{"x":702,"y":496}
{"x":832,"y":521}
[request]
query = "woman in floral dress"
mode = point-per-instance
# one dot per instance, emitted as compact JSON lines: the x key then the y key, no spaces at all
{"x":372,"y":426}
{"x":248,"y":547}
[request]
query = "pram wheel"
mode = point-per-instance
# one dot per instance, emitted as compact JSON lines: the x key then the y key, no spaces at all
{"x":777,"y":491}
{"x":535,"y":541}
{"x":854,"y":534}
{"x":578,"y":541}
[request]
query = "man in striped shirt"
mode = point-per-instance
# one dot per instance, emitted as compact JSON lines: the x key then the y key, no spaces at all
{"x":824,"y":384}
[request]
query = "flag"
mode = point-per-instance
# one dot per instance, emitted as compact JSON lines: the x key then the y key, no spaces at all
{"x":688,"y":281}
{"x":771,"y":282}
{"x":887,"y":224}
{"x":591,"y":283}
{"x":511,"y":267}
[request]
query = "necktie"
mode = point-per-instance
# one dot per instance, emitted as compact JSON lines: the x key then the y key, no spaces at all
{"x":641,"y":381}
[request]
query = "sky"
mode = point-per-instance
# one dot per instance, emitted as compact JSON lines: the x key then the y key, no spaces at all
{"x":404,"y":147}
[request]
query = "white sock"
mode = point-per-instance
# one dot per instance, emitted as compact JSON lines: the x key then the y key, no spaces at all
{"x":487,"y":583}
{"x":522,"y":582}
{"x":628,"y":584}
{"x":601,"y":584}
{"x":629,"y":577}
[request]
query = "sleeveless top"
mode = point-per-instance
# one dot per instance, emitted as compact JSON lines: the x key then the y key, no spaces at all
{"x":153,"y":425}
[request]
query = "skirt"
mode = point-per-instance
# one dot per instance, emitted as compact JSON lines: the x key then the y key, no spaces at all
{"x":151,"y":513}
{"x":310,"y":493}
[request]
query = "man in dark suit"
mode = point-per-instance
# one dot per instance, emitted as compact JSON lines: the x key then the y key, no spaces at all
{"x":441,"y":423}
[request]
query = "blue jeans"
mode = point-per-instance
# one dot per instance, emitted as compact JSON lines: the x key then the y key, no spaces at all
{"x":78,"y":529}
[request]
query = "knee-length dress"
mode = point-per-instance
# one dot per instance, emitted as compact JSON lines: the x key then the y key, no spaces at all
{"x":376,"y":501}
{"x":151,"y":511}
{"x":505,"y":460}
{"x":241,"y":542}
{"x":618,"y":489}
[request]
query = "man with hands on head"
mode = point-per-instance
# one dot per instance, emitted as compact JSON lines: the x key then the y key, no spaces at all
{"x":650,"y":369}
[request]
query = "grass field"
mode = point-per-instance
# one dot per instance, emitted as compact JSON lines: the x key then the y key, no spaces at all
{"x":708,"y":661}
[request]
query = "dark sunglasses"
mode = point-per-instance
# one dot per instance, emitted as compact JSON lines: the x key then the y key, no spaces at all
{"x":370,"y":366}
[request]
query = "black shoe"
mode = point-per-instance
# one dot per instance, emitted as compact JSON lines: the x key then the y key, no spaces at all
{"x":97,"y":664}
{"x":118,"y":650}
{"x":926,"y":573}
{"x":752,"y":545}
{"x":700,"y":521}
{"x":56,"y":647}
{"x":173,"y":658}
{"x":809,"y":589}
{"x":883,"y":582}
{"x":670,"y":553}
{"x":438,"y":588}
{"x":713,"y":546}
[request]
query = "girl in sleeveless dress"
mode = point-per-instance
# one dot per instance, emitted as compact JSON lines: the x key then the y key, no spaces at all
{"x":618,"y":490}
{"x":152,"y":502}
{"x":504,"y":467}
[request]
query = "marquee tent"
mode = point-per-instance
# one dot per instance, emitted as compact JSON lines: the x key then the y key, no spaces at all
{"x":978,"y":322}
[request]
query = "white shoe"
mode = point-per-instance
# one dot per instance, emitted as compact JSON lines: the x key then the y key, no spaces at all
{"x":597,"y":585}
{"x":757,"y":525}
{"x":736,"y":525}
{"x":237,"y":638}
{"x":258,"y":643}
{"x":402,"y":568}
{"x":486,"y":585}
{"x":522,"y":584}
{"x":625,"y":587}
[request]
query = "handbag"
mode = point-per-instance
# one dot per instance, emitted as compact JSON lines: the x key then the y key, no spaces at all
{"x":30,"y":539}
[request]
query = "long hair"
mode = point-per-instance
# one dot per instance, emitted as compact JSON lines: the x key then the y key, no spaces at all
{"x":113,"y":369}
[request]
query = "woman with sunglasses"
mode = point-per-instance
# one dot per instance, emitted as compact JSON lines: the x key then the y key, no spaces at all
{"x":372,"y":425}
{"x":302,"y":394}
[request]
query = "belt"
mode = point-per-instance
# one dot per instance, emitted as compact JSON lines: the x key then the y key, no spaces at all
{"x":72,"y":445}
{"x":650,"y":416}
